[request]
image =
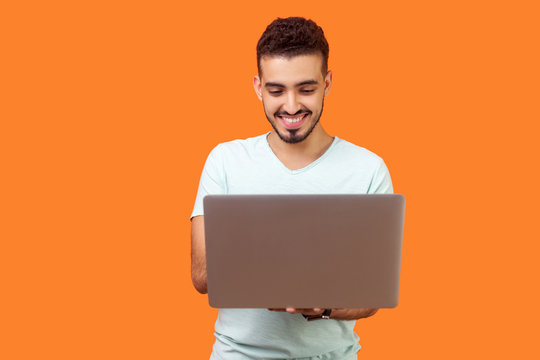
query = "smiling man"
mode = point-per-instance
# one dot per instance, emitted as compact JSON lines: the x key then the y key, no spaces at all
{"x":297,"y":157}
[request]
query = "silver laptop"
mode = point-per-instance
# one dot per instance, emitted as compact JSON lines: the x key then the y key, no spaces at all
{"x":303,"y":251}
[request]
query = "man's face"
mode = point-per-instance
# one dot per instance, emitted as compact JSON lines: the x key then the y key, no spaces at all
{"x":292,"y":92}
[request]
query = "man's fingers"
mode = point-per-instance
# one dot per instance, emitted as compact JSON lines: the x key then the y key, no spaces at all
{"x":311,"y":311}
{"x":291,"y":310}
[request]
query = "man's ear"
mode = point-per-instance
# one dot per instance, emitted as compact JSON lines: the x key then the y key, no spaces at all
{"x":327,"y":82}
{"x":257,"y":85}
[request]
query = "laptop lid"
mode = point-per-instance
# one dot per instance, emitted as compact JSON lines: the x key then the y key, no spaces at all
{"x":303,"y":251}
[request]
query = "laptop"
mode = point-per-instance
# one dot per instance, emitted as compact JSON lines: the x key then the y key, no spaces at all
{"x":303,"y":251}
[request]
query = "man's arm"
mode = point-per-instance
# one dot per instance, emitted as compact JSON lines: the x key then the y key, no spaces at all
{"x":198,"y":255}
{"x":338,"y":314}
{"x":352,"y":314}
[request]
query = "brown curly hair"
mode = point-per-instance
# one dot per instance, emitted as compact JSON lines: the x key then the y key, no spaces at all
{"x":291,"y":37}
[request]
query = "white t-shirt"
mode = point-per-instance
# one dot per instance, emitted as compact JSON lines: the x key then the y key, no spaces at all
{"x":250,"y":167}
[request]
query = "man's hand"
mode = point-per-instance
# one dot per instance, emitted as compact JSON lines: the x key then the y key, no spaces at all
{"x":338,"y":314}
{"x":307,"y":312}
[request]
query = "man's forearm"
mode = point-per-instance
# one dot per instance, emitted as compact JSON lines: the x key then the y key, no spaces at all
{"x":199,"y":281}
{"x":198,"y":275}
{"x":352,"y":314}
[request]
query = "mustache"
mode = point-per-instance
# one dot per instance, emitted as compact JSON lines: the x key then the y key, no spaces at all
{"x":281,"y":113}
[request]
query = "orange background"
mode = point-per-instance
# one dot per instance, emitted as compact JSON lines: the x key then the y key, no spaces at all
{"x":109,"y":110}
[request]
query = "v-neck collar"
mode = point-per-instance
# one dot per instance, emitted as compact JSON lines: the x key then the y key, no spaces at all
{"x":305,"y":168}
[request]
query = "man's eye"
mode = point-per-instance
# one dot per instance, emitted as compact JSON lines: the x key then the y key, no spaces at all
{"x":275,"y":92}
{"x":307,"y":91}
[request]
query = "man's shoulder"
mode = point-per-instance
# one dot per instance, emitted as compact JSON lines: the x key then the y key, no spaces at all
{"x":356,"y":153}
{"x":240,"y":145}
{"x":239,"y":148}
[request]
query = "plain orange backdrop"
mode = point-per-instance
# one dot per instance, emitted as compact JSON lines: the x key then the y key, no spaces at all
{"x":109,"y":108}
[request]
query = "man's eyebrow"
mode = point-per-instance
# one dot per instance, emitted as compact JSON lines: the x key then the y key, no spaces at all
{"x":273,"y":84}
{"x":307,"y":82}
{"x":302,"y":83}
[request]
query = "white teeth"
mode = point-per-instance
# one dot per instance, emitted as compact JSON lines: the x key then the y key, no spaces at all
{"x":290,"y":120}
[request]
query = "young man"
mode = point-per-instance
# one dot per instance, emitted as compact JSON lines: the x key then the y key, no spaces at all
{"x":297,"y":156}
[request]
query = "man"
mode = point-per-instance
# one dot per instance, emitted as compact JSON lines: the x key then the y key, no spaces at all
{"x":297,"y":156}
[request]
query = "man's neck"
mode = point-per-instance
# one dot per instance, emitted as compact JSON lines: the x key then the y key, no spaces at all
{"x":313,"y":147}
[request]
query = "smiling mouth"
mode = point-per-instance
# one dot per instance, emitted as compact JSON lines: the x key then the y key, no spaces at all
{"x":293,"y":122}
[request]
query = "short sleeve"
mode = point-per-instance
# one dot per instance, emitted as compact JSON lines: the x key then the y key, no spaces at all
{"x":213,"y":180}
{"x":381,"y":182}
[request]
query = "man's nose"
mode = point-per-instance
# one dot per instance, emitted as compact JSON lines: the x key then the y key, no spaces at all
{"x":291,"y":105}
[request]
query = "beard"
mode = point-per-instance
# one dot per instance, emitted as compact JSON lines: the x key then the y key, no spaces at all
{"x":292,"y":136}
